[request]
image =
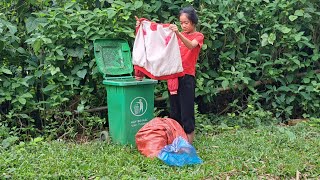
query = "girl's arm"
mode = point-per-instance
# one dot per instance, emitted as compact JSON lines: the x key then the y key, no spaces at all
{"x":189,"y":44}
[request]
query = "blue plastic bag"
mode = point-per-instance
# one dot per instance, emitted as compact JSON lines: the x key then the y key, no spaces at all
{"x":179,"y":153}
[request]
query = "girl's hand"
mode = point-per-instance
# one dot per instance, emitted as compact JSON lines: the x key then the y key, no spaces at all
{"x":174,"y":28}
{"x":138,"y":78}
{"x":137,"y":21}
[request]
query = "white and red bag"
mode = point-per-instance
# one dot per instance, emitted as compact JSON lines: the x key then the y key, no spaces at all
{"x":156,"y":51}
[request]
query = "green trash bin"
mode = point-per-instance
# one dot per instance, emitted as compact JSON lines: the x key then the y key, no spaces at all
{"x":130,"y":102}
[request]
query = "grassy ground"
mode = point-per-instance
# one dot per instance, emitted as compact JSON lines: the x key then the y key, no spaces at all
{"x":265,"y":152}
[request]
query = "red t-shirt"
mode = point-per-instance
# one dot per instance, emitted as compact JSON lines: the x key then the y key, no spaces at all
{"x":190,"y":56}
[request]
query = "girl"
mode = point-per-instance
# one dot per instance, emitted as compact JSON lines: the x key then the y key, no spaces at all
{"x":190,"y":43}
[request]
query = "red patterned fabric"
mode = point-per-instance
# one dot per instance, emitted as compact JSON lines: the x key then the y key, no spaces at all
{"x":156,"y":53}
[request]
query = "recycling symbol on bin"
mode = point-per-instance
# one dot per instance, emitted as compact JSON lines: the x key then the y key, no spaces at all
{"x":138,"y":106}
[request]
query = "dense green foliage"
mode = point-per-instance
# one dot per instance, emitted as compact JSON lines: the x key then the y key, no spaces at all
{"x":270,"y":47}
{"x":263,"y":53}
{"x":259,"y":153}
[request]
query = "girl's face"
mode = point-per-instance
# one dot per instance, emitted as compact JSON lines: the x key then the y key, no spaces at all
{"x":186,"y":25}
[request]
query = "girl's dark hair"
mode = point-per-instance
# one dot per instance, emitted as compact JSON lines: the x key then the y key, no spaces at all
{"x":191,"y":14}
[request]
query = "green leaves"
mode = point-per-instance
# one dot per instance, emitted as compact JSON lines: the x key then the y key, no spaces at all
{"x":271,"y":38}
{"x":69,"y":5}
{"x":5,"y":71}
{"x":54,"y":70}
{"x":268,"y":39}
{"x":36,"y":45}
{"x":285,"y":29}
{"x":138,"y":4}
{"x":22,"y":100}
{"x":241,"y":16}
{"x":32,"y":23}
{"x":111,"y":13}
{"x":281,"y":45}
{"x":82,"y":73}
{"x":253,"y":48}
{"x":225,"y":84}
{"x":80,"y":108}
{"x":5,"y":24}
{"x":293,"y":17}
{"x":12,"y":28}
{"x":38,"y":41}
{"x":297,"y":14}
{"x":76,"y":52}
{"x":264,"y":38}
{"x":49,"y":88}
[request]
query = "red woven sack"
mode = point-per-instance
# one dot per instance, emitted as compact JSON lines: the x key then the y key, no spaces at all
{"x":156,"y":134}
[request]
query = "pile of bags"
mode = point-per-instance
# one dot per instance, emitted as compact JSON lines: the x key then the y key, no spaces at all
{"x":165,"y":138}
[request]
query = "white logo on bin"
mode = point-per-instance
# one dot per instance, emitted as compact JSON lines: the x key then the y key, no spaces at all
{"x":138,"y":106}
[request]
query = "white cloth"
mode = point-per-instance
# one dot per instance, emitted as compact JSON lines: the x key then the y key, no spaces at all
{"x":156,"y":49}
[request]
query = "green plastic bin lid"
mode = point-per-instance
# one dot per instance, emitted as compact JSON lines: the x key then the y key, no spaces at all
{"x":127,"y":81}
{"x":113,"y":56}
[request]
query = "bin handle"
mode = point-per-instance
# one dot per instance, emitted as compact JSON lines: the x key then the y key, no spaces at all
{"x":98,"y":49}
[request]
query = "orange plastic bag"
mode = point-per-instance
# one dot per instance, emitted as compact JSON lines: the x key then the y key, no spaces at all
{"x":156,"y":134}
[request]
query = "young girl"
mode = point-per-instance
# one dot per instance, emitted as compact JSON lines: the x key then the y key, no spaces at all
{"x":190,"y":42}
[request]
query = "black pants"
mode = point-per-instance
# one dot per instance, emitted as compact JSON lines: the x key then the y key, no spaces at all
{"x":182,"y":104}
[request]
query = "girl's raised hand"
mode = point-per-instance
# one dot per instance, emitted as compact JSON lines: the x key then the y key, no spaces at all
{"x":174,"y":28}
{"x":137,"y":21}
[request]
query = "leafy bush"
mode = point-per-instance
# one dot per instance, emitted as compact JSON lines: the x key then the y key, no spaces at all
{"x":4,"y":131}
{"x":252,"y":117}
{"x":267,"y":49}
{"x":263,"y":53}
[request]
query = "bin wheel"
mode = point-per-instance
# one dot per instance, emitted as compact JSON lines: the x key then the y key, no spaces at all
{"x":104,"y":136}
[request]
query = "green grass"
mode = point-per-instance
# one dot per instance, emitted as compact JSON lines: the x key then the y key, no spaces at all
{"x":265,"y":152}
